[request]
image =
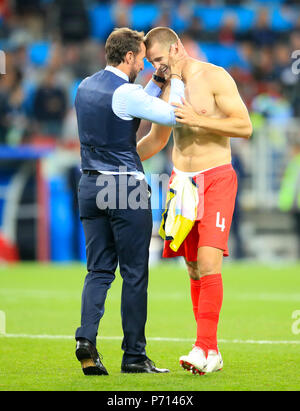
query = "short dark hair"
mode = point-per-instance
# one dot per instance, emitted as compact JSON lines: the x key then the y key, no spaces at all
{"x":119,"y":42}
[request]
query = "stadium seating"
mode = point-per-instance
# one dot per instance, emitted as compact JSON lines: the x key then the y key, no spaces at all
{"x":279,"y":21}
{"x":39,"y":53}
{"x":245,"y":17}
{"x":142,"y":16}
{"x":225,"y":56}
{"x":101,"y":21}
{"x":211,"y":17}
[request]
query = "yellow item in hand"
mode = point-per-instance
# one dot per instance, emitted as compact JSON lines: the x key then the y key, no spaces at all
{"x":180,"y":212}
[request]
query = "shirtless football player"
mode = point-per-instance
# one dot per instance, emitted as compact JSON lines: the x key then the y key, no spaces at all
{"x":210,"y":113}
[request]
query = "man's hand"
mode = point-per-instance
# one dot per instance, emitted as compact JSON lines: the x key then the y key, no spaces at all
{"x":160,"y":73}
{"x":177,"y":58}
{"x":185,"y":114}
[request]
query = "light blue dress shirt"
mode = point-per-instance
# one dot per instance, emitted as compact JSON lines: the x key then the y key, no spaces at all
{"x":132,"y":100}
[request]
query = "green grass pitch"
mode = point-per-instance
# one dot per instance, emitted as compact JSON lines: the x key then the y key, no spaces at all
{"x":258,"y":337}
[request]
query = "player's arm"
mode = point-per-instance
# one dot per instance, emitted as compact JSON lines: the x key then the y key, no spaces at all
{"x":153,"y":142}
{"x":154,"y":87}
{"x":236,"y":123}
{"x":141,"y":105}
{"x":159,"y":135}
{"x":132,"y":101}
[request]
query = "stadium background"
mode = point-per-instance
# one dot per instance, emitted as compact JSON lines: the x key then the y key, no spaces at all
{"x":51,"y":45}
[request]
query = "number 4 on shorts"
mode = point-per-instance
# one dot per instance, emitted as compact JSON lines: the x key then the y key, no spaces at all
{"x":218,"y":223}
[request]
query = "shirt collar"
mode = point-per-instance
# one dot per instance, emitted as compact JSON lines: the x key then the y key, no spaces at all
{"x":117,"y":72}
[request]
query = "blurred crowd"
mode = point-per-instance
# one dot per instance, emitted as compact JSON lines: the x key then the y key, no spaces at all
{"x":50,"y":46}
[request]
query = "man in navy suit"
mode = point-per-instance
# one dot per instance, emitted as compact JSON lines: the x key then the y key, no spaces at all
{"x":118,"y":225}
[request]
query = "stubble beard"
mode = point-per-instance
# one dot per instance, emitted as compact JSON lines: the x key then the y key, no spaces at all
{"x":132,"y":76}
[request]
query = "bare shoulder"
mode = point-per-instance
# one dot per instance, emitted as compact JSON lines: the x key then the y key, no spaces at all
{"x":217,"y":74}
{"x":219,"y":80}
{"x":211,"y":72}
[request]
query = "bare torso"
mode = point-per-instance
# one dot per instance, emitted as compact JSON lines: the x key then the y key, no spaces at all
{"x":195,"y":149}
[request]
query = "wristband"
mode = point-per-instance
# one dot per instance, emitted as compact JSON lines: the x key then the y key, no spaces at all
{"x":174,"y":74}
{"x":158,"y":78}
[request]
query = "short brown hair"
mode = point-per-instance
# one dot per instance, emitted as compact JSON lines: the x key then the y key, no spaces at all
{"x":119,"y":42}
{"x":163,"y":35}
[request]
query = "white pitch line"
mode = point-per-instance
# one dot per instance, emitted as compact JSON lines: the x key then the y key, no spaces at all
{"x":222,"y":341}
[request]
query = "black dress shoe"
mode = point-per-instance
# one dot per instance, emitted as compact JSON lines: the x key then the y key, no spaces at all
{"x":88,"y":355}
{"x":146,"y":366}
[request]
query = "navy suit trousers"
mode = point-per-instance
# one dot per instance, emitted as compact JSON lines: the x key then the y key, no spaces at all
{"x":116,"y":233}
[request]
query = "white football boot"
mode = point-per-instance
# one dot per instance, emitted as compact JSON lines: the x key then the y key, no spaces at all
{"x":195,"y":361}
{"x":214,"y":361}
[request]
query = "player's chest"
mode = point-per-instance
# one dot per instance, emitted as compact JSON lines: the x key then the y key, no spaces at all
{"x":199,"y":95}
